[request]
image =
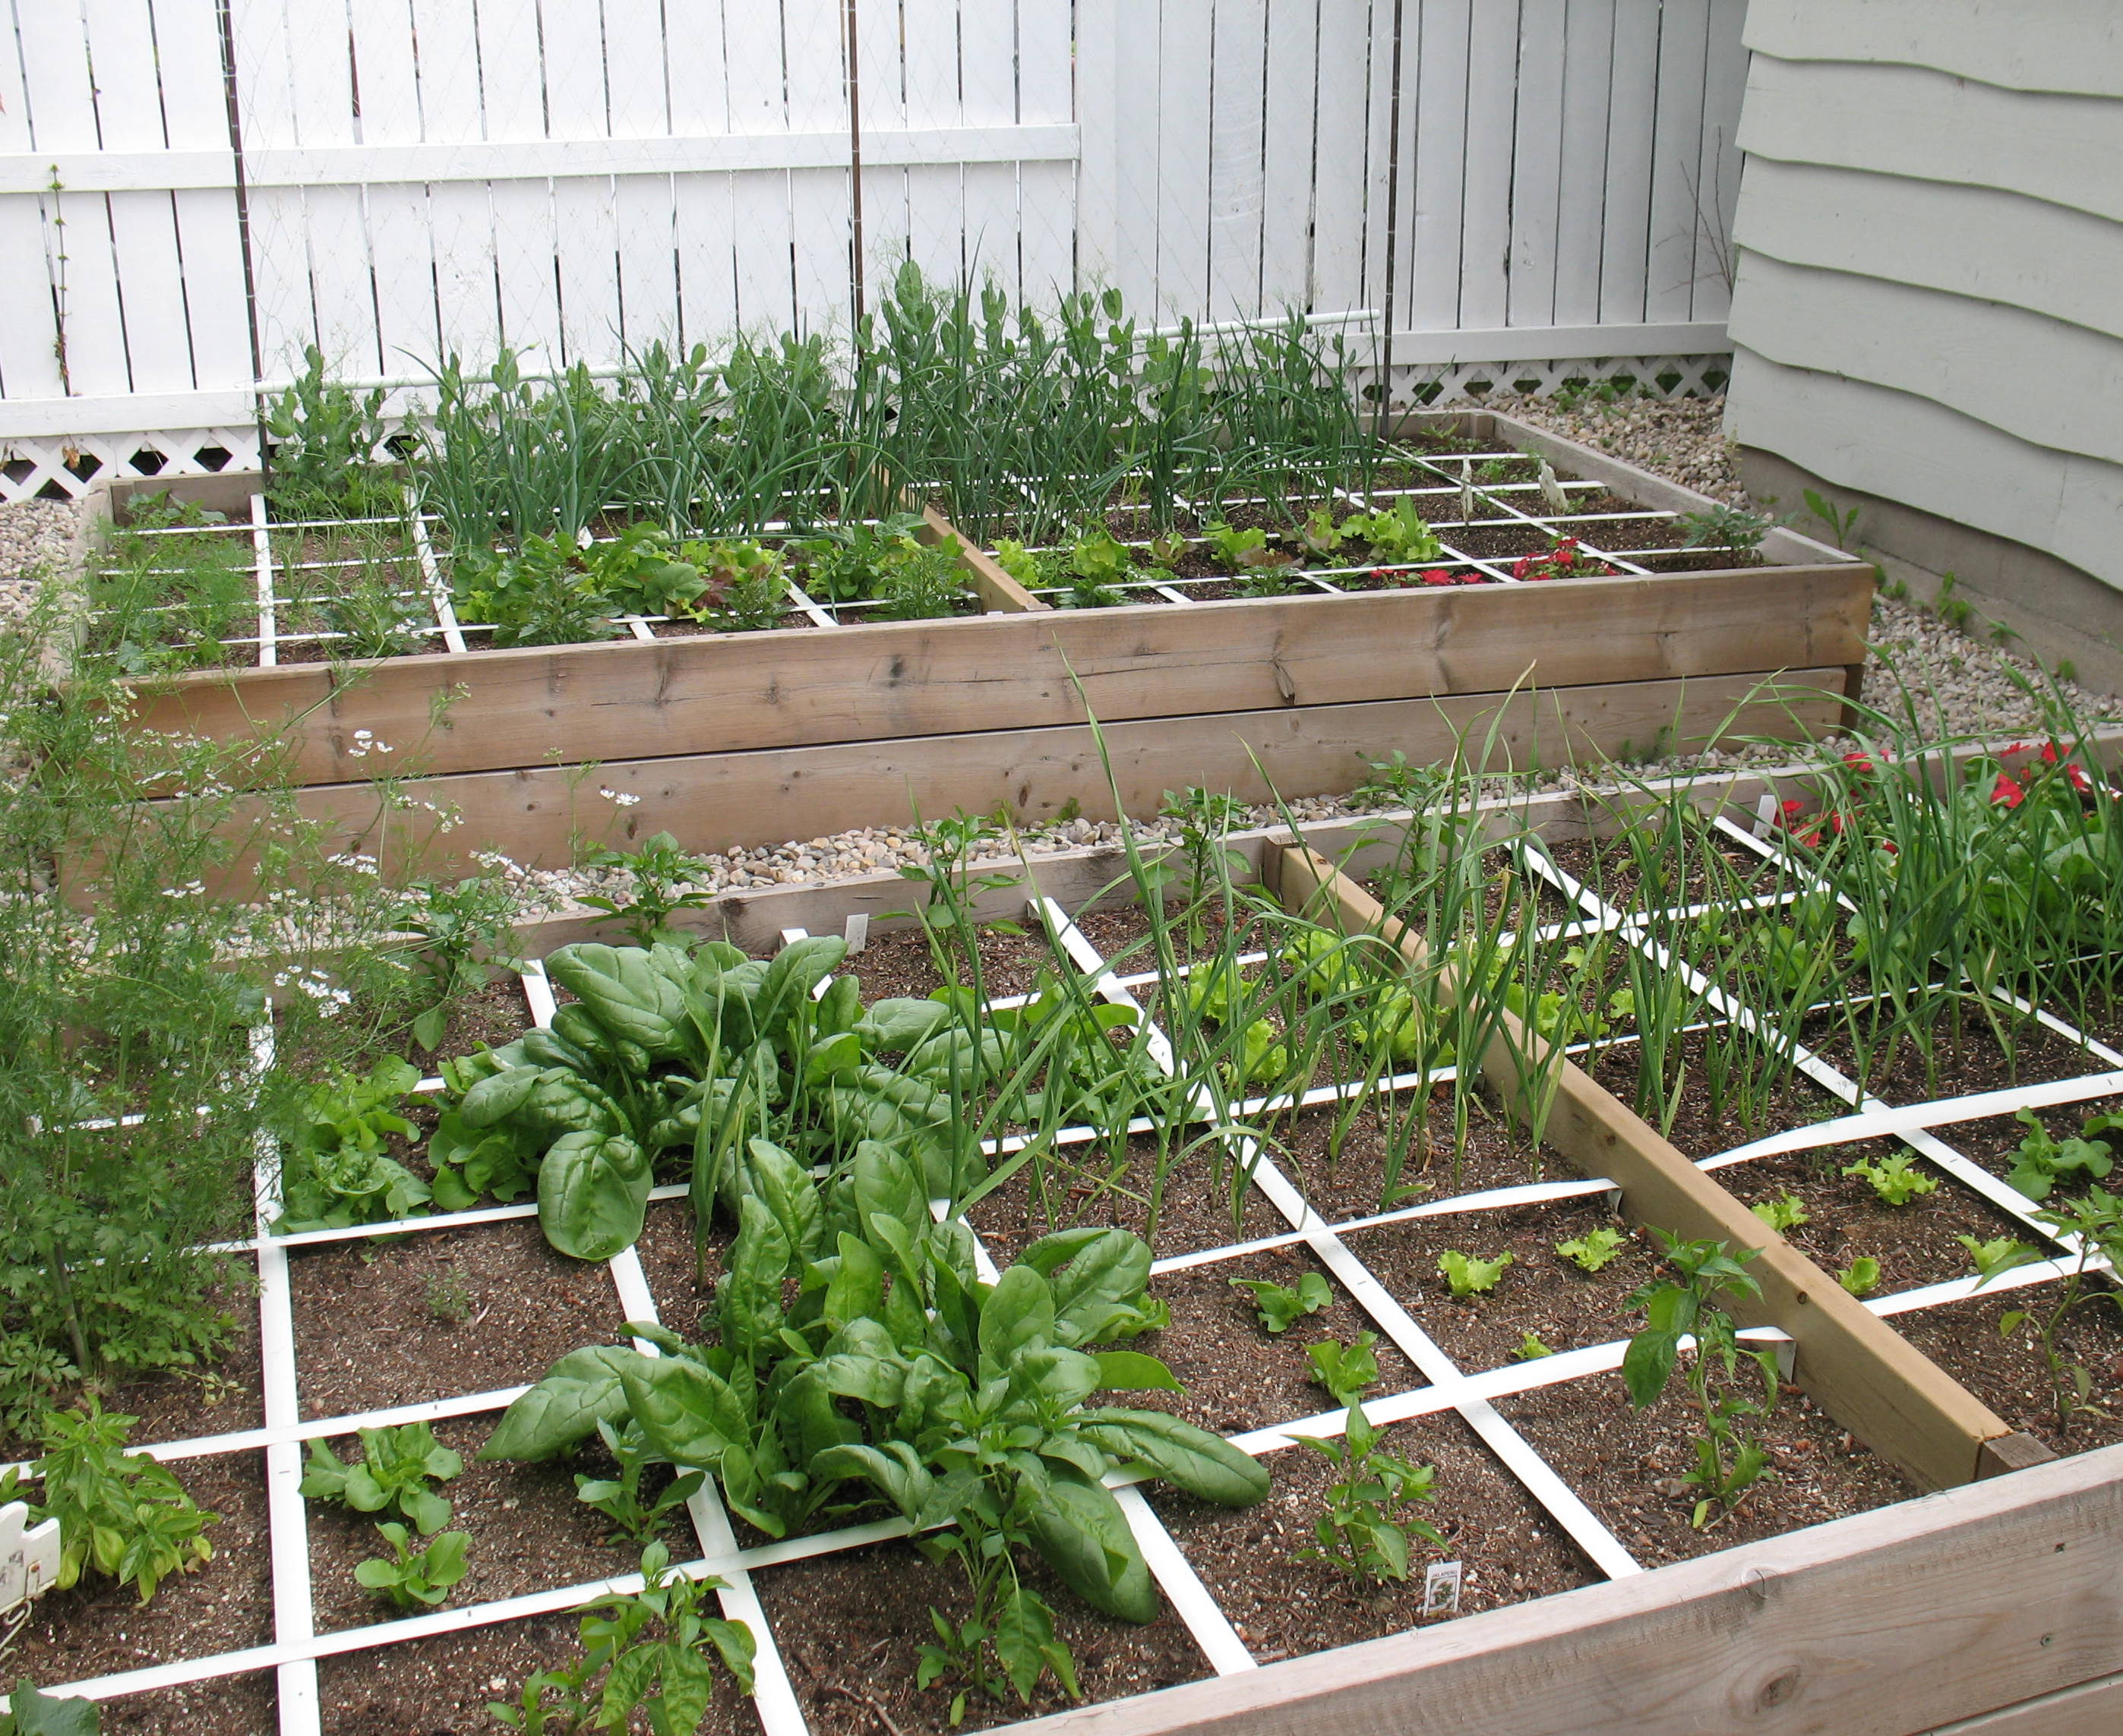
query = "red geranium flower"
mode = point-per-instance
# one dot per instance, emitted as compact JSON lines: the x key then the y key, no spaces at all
{"x":1859,"y":762}
{"x":2005,"y":792}
{"x":1437,"y":575}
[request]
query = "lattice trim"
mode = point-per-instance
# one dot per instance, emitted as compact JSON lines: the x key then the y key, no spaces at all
{"x":65,"y":467}
{"x":1424,"y":386}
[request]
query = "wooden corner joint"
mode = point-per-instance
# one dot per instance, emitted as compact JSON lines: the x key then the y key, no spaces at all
{"x":2005,"y":1452}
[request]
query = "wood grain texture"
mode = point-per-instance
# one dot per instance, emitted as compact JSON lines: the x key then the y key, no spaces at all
{"x":1855,"y":1366}
{"x":716,"y":802}
{"x":1888,"y":1623}
{"x":2073,"y":1711}
{"x":798,"y":687}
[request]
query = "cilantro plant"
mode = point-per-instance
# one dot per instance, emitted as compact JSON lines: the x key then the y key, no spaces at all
{"x":1282,"y":1308}
{"x":1468,"y":1274}
{"x":1728,"y":1460}
{"x":414,"y":1579}
{"x":391,"y":1475}
{"x":1595,"y":1249}
{"x":648,"y":1655}
{"x":1894,"y":1177}
{"x":121,"y":1514}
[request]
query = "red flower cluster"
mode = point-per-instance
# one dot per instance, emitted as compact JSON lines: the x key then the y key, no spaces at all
{"x":1428,"y":576}
{"x":2011,"y":790}
{"x":1567,"y":559}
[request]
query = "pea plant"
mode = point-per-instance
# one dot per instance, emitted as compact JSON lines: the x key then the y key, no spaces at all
{"x":1728,"y":1460}
{"x":895,"y":1376}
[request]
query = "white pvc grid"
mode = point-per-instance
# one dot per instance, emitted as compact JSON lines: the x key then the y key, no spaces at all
{"x":1454,"y":490}
{"x":1471,"y":1395}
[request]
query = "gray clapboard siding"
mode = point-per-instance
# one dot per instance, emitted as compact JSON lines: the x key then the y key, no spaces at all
{"x":2063,"y":45}
{"x":1931,"y":126}
{"x":1882,"y":225}
{"x":1910,"y":449}
{"x":1930,"y":233}
{"x":1944,"y":347}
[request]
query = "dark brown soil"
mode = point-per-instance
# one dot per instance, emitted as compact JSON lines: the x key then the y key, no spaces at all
{"x":1504,"y":542}
{"x":1079,"y":1188}
{"x":2009,"y":1374}
{"x":1510,"y":1549}
{"x":1238,"y":1376}
{"x":664,"y":630}
{"x":1609,"y":870}
{"x":1495,"y":1155}
{"x":100,"y":1628}
{"x":1614,"y":1456}
{"x":667,"y":1255}
{"x":487,"y":1017}
{"x":1963,"y":1062}
{"x":1848,"y":1220}
{"x":440,"y":1312}
{"x":1540,"y":1292}
{"x":230,"y":1705}
{"x":441,"y":1687}
{"x":850,"y":1626}
{"x":528,"y":1532}
{"x":897,"y":961}
{"x":1701,"y":1131}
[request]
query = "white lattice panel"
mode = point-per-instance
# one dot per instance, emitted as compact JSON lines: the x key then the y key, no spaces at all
{"x":1415,"y":387}
{"x":65,"y":468}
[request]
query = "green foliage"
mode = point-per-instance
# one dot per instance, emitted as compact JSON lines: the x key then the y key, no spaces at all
{"x":1468,"y":1274}
{"x":1279,"y":1306}
{"x":1346,"y":1370}
{"x":1783,"y":1213}
{"x":1596,"y":1248}
{"x":1370,"y":1519}
{"x":2097,"y":1220}
{"x":1735,"y":530}
{"x":2041,"y":1162}
{"x":335,"y":1172}
{"x":1893,"y":1178}
{"x":635,"y":1516}
{"x":391,"y":1476}
{"x":665,"y":881}
{"x":886,"y":563}
{"x":160,"y":604}
{"x":645,"y":1655}
{"x":649,"y":1654}
{"x":896,"y":1375}
{"x":1993,"y":1258}
{"x":544,"y":594}
{"x":34,"y":1714}
{"x":120,"y":1514}
{"x":1861,"y":1277}
{"x":1397,"y":534}
{"x":324,"y":442}
{"x":463,"y":932}
{"x":1842,"y":526}
{"x":414,"y":1579}
{"x":1530,"y":1347}
{"x":1728,"y":1460}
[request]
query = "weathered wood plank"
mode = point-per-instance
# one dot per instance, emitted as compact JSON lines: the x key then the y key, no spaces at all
{"x":1856,"y":1366}
{"x":794,"y":688}
{"x":1889,"y":1622}
{"x":716,"y":802}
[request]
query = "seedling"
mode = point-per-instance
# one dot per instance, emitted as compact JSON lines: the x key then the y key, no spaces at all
{"x":1530,"y":1347}
{"x":665,"y":881}
{"x":1594,"y":1249}
{"x":1893,"y":1179}
{"x":2042,"y":1161}
{"x":1841,"y":526}
{"x":1861,"y":1277}
{"x":1246,"y":551}
{"x":1469,"y":1275}
{"x":414,"y":1579}
{"x":1345,"y":1369}
{"x":1280,"y":1308}
{"x":620,"y":1499}
{"x":1366,"y":1530}
{"x":2098,"y":1221}
{"x":1994,"y":1258}
{"x":391,"y":1475}
{"x":1727,"y":1462}
{"x":1783,"y":1213}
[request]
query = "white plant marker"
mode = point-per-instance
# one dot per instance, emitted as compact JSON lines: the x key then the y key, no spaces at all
{"x":1441,"y":1589}
{"x":29,"y":1556}
{"x":261,"y":544}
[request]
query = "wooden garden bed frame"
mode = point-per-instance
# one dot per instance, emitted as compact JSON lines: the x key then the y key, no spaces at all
{"x":738,"y":741}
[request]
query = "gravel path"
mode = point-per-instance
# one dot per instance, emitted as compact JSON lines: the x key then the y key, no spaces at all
{"x":34,"y":535}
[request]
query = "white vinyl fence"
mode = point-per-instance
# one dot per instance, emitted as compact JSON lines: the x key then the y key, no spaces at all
{"x":190,"y":193}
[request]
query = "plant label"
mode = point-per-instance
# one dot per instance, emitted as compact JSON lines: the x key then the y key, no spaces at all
{"x":857,"y":931}
{"x":1441,"y":1589}
{"x":29,"y":1556}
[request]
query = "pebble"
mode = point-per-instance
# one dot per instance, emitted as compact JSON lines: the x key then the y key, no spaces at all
{"x":33,"y":538}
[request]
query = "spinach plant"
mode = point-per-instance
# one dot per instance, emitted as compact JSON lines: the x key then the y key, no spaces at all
{"x":963,"y":1405}
{"x":1728,"y":1461}
{"x":636,"y":1516}
{"x":647,"y":1654}
{"x":33,"y":1714}
{"x":121,"y":1513}
{"x":391,"y":1476}
{"x":543,"y":594}
{"x":2041,"y":1162}
{"x":1346,"y":1370}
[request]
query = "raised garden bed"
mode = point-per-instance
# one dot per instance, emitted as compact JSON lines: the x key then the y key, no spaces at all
{"x":739,"y":739}
{"x":1543,"y":1484}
